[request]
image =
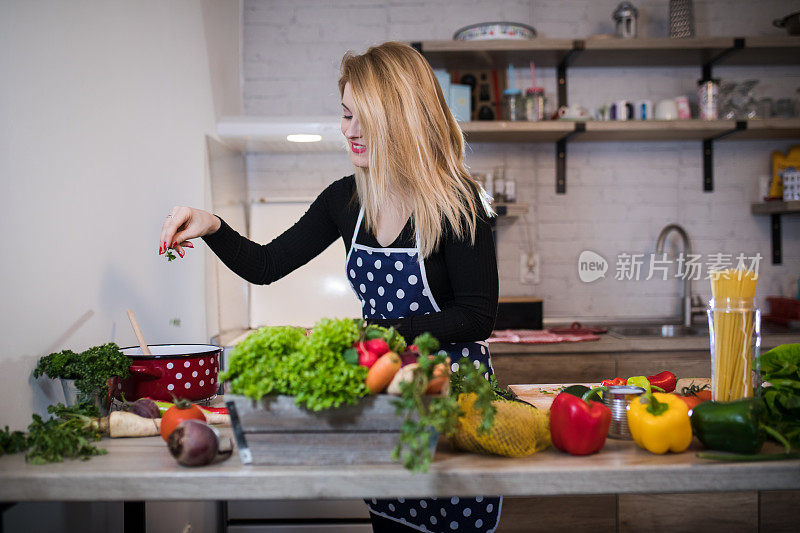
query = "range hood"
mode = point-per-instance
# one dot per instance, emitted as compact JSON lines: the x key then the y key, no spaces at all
{"x":269,"y":134}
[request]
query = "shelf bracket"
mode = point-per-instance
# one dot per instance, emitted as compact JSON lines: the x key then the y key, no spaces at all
{"x":775,"y":223}
{"x":561,"y":157}
{"x":561,"y":74}
{"x":738,"y":44}
{"x":708,"y":155}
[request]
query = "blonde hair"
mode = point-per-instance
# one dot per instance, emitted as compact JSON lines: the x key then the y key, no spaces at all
{"x":415,"y":144}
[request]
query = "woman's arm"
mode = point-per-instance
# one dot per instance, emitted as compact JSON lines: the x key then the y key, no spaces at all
{"x":470,"y":316}
{"x":263,"y":264}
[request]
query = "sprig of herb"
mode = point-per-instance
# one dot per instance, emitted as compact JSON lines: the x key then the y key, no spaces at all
{"x":170,"y":255}
{"x":67,"y":435}
{"x":424,"y":415}
{"x":12,"y":441}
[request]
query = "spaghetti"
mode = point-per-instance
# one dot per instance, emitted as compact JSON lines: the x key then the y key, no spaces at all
{"x":733,"y":319}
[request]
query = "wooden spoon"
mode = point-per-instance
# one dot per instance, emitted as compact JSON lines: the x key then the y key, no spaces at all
{"x":138,"y":332}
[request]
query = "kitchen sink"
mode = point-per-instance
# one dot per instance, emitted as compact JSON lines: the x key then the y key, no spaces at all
{"x":665,"y":330}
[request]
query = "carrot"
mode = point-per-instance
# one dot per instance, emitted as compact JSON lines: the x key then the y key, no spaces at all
{"x":383,"y":371}
{"x":441,"y":376}
{"x":124,"y":424}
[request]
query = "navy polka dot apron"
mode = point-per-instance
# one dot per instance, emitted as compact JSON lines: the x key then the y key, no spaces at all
{"x":391,"y":283}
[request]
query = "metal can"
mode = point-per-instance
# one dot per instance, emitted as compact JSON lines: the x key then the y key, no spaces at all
{"x":708,"y":99}
{"x":616,"y":398}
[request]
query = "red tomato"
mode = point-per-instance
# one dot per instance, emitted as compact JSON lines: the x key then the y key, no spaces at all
{"x":182,"y":410}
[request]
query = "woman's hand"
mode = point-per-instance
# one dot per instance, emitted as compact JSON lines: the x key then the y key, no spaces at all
{"x":184,"y":223}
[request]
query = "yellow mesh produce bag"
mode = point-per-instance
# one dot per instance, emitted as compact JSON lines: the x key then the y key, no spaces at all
{"x":518,"y":430}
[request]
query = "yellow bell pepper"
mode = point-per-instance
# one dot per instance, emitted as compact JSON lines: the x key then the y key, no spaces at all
{"x":660,"y":423}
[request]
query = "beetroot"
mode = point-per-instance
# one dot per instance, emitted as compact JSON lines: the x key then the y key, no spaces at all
{"x":409,"y":356}
{"x":144,"y":407}
{"x":195,"y":443}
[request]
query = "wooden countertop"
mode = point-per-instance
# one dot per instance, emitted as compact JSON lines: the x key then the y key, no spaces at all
{"x":142,"y":469}
{"x":609,"y":343}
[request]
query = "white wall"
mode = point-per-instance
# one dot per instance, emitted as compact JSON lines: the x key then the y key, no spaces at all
{"x":105,"y":109}
{"x":619,"y":195}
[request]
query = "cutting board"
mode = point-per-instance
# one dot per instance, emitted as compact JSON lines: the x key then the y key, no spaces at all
{"x":541,"y":395}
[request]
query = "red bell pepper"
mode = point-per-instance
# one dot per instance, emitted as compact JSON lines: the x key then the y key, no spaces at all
{"x":666,"y":380}
{"x":615,"y":381}
{"x":577,"y":425}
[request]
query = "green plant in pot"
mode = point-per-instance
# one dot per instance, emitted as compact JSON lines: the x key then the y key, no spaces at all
{"x":88,"y":372}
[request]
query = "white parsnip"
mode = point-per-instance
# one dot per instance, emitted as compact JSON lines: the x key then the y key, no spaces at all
{"x":124,"y":424}
{"x":403,"y":375}
{"x":219,"y":419}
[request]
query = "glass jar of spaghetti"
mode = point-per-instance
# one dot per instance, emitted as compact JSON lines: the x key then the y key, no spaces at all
{"x":735,"y":332}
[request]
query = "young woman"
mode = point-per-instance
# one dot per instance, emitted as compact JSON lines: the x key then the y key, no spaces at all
{"x":420,"y":252}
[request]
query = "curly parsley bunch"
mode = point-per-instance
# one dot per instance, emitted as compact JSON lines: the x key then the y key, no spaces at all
{"x":90,"y":369}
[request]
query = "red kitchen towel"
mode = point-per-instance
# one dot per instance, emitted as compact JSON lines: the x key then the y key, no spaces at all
{"x":538,"y":336}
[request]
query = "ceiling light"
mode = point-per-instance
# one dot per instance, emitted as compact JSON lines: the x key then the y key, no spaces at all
{"x":303,"y":138}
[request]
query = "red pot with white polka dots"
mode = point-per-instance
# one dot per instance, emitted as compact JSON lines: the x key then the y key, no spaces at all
{"x":187,"y":371}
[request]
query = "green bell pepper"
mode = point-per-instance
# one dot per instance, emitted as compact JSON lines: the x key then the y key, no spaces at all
{"x":734,"y":427}
{"x":729,"y":426}
{"x":580,"y":390}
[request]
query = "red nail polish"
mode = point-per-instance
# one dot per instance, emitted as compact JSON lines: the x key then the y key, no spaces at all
{"x":174,"y":244}
{"x":189,"y":245}
{"x":180,"y":253}
{"x":160,"y":247}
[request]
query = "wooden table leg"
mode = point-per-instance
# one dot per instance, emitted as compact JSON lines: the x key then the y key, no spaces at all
{"x":4,"y":506}
{"x":134,"y":517}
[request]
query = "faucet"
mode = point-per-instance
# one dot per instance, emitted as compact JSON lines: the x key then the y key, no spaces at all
{"x":687,"y":309}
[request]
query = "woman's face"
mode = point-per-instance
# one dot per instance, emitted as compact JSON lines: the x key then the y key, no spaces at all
{"x":352,"y":130}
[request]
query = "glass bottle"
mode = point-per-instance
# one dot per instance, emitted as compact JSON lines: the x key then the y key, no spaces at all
{"x":534,"y":104}
{"x":499,"y":184}
{"x":513,"y":108}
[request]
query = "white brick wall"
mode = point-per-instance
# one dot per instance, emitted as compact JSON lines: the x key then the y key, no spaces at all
{"x":619,"y":195}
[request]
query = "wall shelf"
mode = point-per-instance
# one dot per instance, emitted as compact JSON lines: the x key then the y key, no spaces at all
{"x":705,"y":53}
{"x":505,"y":131}
{"x":632,"y":130}
{"x":608,"y":52}
{"x":775,"y":209}
{"x":791,"y":207}
{"x":511,"y":209}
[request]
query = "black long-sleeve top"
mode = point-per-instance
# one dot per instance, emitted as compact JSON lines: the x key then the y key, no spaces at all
{"x":462,"y":276}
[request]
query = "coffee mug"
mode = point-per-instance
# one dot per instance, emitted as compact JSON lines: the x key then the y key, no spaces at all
{"x":643,"y":110}
{"x":666,"y":110}
{"x":684,"y":111}
{"x":622,"y":110}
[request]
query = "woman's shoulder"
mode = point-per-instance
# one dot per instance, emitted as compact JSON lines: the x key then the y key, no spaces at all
{"x":341,"y":191}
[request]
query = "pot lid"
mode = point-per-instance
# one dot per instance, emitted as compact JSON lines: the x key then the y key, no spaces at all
{"x":171,"y":351}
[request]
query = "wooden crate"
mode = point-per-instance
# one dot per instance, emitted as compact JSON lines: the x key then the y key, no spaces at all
{"x":275,"y":431}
